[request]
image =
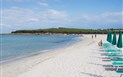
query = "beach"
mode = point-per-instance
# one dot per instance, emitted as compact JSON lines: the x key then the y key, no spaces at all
{"x":81,"y":59}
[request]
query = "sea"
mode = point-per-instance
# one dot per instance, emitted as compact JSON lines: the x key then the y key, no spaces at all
{"x":19,"y":46}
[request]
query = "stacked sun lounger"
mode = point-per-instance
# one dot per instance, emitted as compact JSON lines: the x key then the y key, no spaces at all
{"x":115,"y":56}
{"x":115,"y":53}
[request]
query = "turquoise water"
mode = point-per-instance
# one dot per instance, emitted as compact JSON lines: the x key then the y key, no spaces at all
{"x":14,"y":46}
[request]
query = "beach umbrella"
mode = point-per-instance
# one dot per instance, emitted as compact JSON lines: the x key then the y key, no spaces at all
{"x":114,"y":39}
{"x":119,"y":44}
{"x":110,"y":37}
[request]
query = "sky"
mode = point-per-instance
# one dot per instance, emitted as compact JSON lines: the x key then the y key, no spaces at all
{"x":37,"y":14}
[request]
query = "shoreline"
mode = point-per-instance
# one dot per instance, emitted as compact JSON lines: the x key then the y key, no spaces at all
{"x":42,"y":55}
{"x":18,"y":57}
{"x":41,"y":51}
{"x":71,"y":61}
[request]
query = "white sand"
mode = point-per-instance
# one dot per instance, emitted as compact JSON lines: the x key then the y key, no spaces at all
{"x":82,"y":59}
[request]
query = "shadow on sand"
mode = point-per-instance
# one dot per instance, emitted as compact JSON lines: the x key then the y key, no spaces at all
{"x":107,"y":67}
{"x":92,"y":75}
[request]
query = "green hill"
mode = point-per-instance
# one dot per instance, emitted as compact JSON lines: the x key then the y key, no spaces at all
{"x":68,"y":31}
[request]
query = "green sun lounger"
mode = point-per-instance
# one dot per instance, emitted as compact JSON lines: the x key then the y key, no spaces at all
{"x":113,"y":51}
{"x":117,"y":63}
{"x":116,"y":59}
{"x":106,"y":45}
{"x":115,"y":54}
{"x":120,"y":71}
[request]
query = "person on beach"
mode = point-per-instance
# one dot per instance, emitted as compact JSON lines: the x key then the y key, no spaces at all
{"x":92,"y":36}
{"x":95,"y":35}
{"x":100,"y":43}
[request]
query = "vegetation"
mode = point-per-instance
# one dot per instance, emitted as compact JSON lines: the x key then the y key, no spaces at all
{"x":69,"y":31}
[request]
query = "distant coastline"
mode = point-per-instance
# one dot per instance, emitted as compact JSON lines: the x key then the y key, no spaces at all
{"x":61,"y":30}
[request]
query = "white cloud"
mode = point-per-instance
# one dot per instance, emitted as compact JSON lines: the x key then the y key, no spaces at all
{"x":43,"y":4}
{"x":33,"y":19}
{"x":115,"y":17}
{"x":56,"y":14}
{"x":20,"y":18}
{"x":13,"y":0}
{"x":30,"y":0}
